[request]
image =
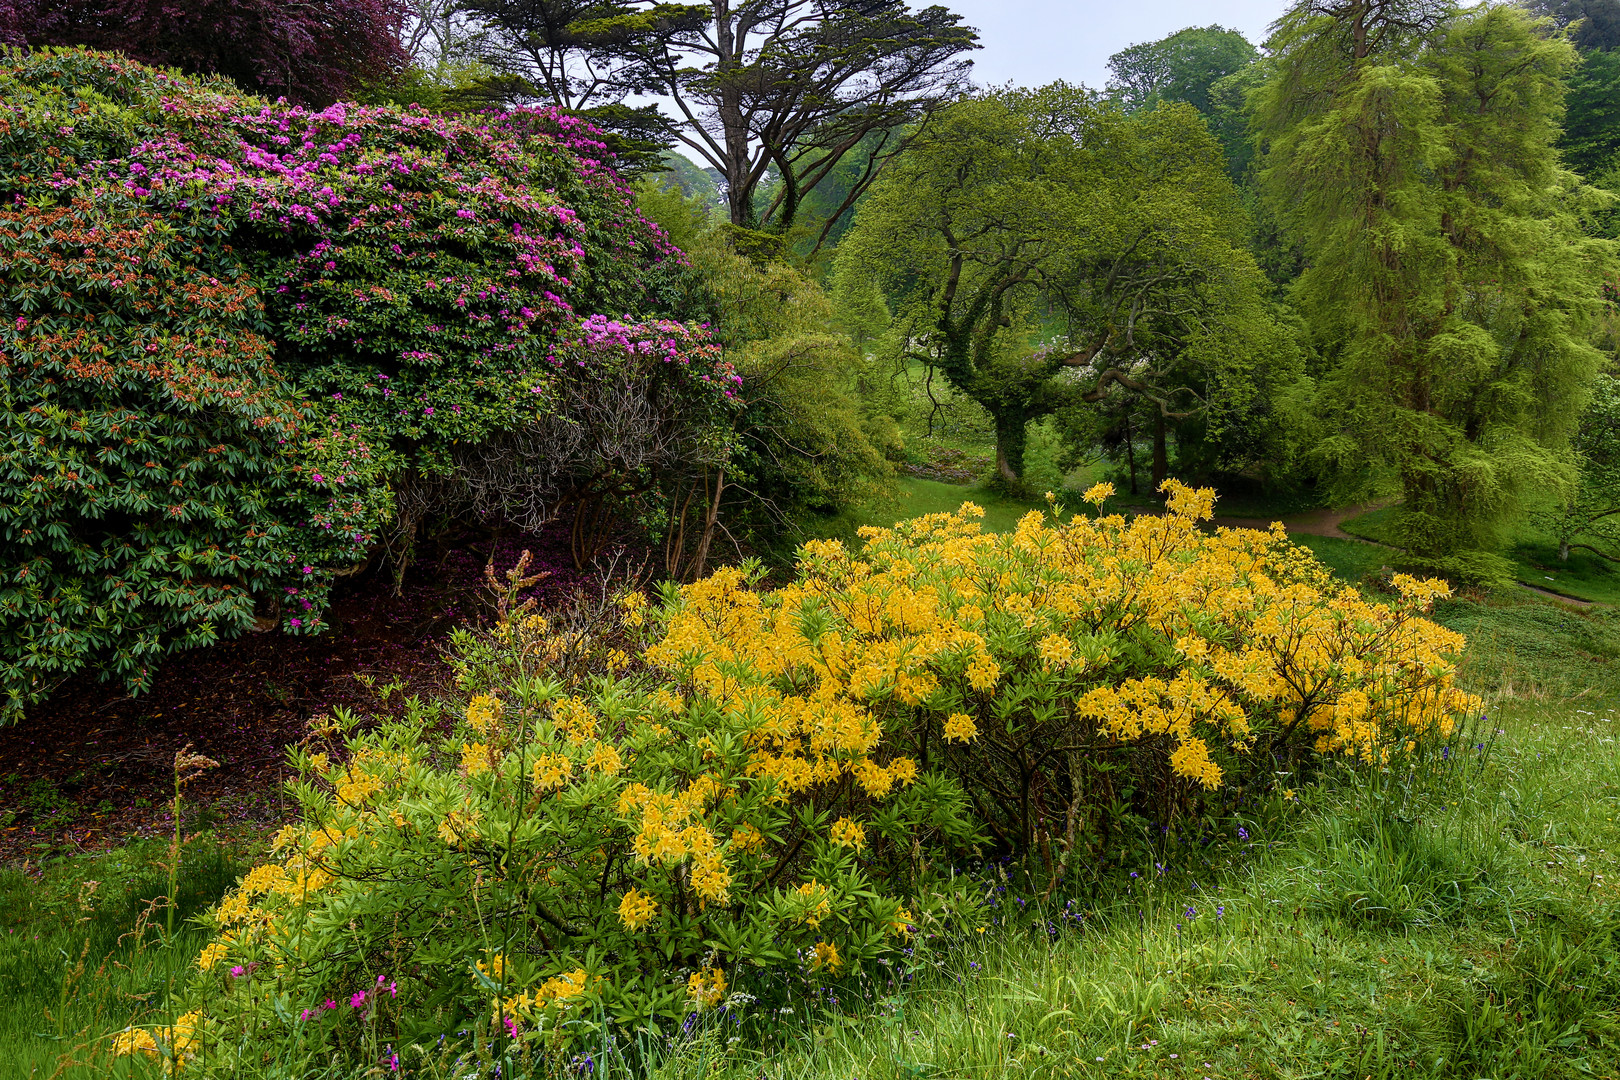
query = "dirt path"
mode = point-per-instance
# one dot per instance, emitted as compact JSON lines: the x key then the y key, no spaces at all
{"x":1315,"y":523}
{"x":1560,"y":597}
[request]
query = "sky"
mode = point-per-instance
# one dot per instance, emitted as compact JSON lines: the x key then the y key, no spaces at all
{"x":1031,"y":42}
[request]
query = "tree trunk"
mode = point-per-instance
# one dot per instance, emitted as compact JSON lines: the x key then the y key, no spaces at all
{"x":1010,"y":439}
{"x":1563,"y":551}
{"x":733,"y":123}
{"x":1161,"y":455}
{"x":1130,"y":452}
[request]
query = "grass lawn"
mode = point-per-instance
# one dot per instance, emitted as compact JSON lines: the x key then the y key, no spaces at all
{"x":916,"y":497}
{"x":1584,"y":576}
{"x":1351,"y":560}
{"x":1534,"y":554}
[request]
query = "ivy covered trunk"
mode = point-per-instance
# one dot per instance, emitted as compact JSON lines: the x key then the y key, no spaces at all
{"x":1011,"y":438}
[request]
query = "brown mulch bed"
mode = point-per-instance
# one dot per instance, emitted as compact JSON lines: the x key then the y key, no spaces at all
{"x":92,"y":767}
{"x":948,"y":466}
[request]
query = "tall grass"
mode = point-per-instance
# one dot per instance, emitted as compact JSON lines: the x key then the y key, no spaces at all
{"x":84,"y":952}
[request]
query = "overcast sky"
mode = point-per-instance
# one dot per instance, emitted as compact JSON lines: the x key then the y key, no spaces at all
{"x":1031,"y":42}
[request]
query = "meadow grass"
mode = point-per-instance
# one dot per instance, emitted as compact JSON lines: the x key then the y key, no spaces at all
{"x":1533,"y":553}
{"x":83,"y":950}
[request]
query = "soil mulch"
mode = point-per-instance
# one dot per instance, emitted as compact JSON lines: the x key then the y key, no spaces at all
{"x":92,"y":767}
{"x":948,"y":466}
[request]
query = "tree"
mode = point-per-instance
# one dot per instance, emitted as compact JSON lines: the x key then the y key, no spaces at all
{"x":539,"y":39}
{"x":790,"y":86}
{"x":801,"y":450}
{"x":1182,"y":67}
{"x":1596,"y":22}
{"x":1042,"y":247}
{"x":1591,"y":137}
{"x":1589,"y":520}
{"x":313,"y":52}
{"x":1448,"y":282}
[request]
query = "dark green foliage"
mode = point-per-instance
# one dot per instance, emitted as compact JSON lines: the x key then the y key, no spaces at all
{"x":307,"y":52}
{"x":1591,"y":138}
{"x":1186,"y":66}
{"x":1589,"y":518}
{"x":1595,"y":23}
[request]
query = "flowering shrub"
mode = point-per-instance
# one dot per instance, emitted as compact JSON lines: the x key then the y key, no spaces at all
{"x":1068,"y":668}
{"x":429,"y":276}
{"x":240,"y":337}
{"x":158,"y":488}
{"x":780,"y":786}
{"x":576,"y":848}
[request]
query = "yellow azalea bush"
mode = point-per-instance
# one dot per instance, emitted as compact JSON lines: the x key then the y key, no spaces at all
{"x":566,"y":845}
{"x":1065,"y":669}
{"x":627,"y":818}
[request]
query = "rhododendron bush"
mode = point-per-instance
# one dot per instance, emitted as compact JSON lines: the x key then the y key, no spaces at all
{"x":243,"y":341}
{"x":158,"y":485}
{"x":781,"y":782}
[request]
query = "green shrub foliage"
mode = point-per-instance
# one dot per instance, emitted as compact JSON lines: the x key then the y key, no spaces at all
{"x":159,"y":486}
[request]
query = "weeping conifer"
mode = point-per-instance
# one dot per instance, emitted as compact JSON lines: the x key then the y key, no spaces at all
{"x":1409,"y":145}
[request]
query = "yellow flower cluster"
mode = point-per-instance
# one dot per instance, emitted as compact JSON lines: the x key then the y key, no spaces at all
{"x":859,"y":644}
{"x":212,"y":954}
{"x":475,"y":758}
{"x":818,"y":899}
{"x":707,"y":988}
{"x":634,"y":607}
{"x":494,"y":969}
{"x":663,"y":835}
{"x":551,"y":771}
{"x":847,"y":833}
{"x":484,"y":713}
{"x":959,"y":727}
{"x":575,"y":720}
{"x":605,"y":759}
{"x":637,"y":909}
{"x":557,"y":991}
{"x":459,"y":826}
{"x":178,"y":1043}
{"x":824,"y":957}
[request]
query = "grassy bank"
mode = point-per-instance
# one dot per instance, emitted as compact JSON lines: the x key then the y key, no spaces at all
{"x":1460,"y":922}
{"x":85,"y":951}
{"x":1535,"y":557}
